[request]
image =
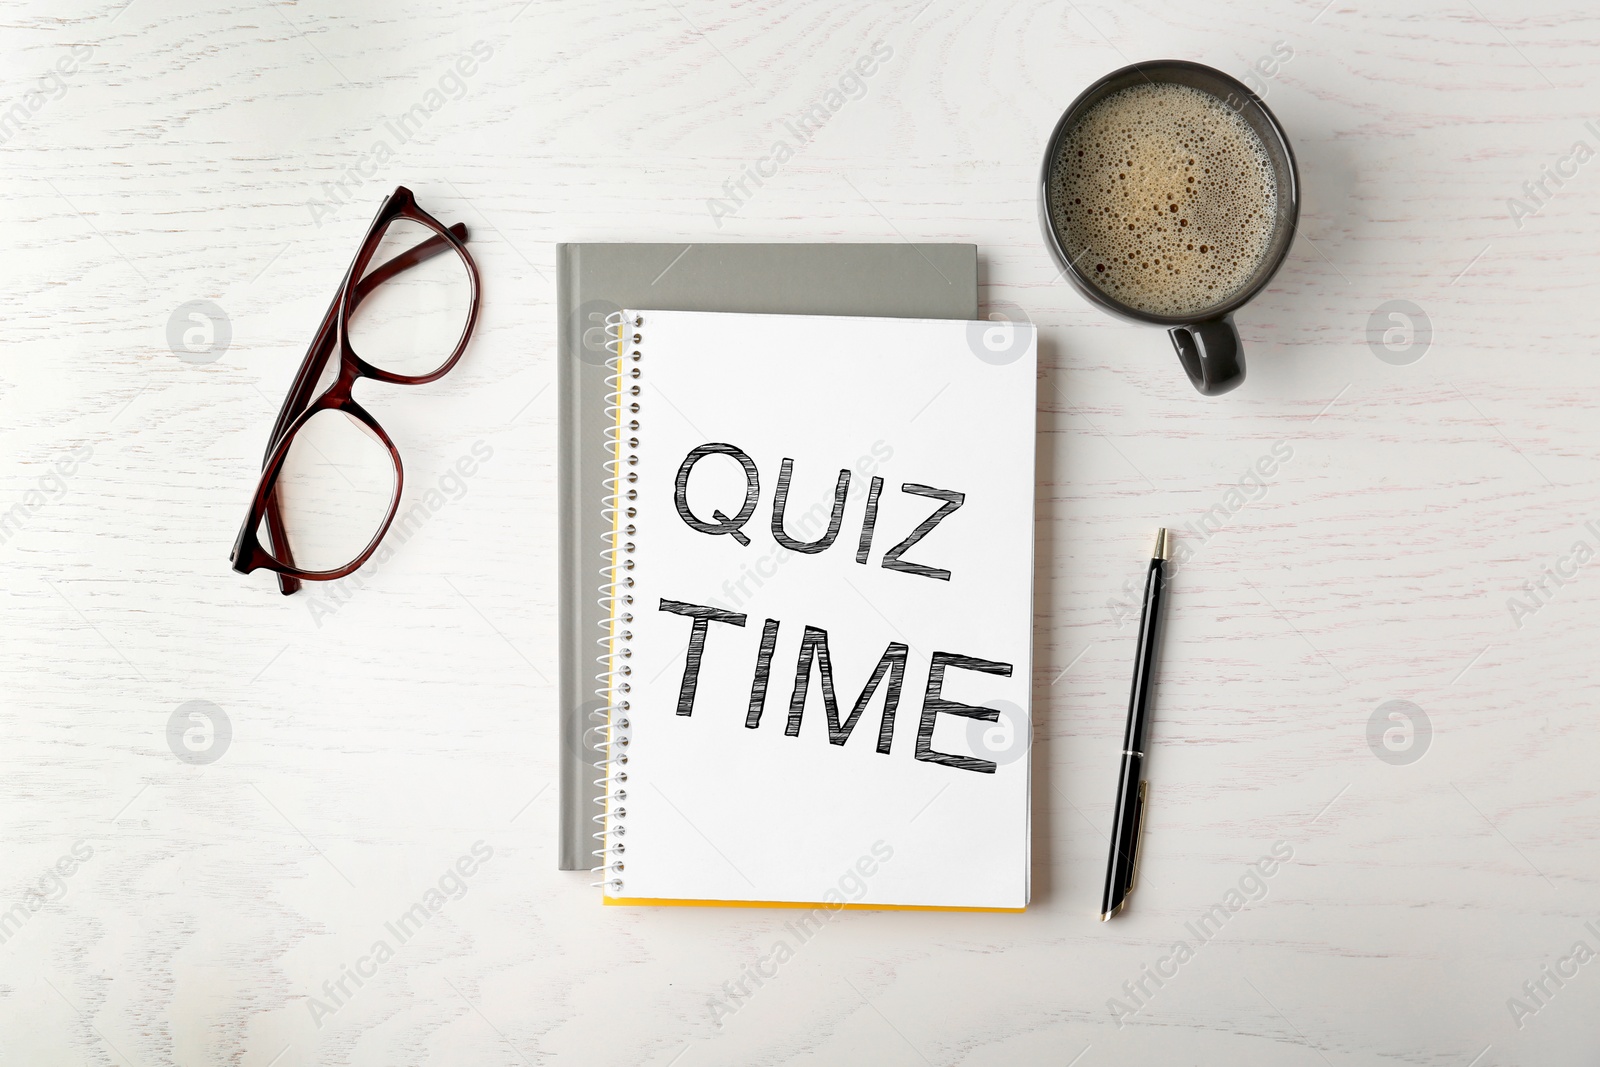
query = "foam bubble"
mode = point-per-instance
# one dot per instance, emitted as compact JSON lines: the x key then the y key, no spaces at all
{"x":1165,"y":197}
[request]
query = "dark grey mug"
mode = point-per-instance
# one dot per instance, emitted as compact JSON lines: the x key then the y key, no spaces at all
{"x":1207,"y":342}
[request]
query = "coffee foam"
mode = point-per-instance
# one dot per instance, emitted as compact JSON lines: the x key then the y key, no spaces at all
{"x":1164,"y":197}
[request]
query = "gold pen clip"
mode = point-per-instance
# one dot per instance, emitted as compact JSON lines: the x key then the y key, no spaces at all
{"x":1138,"y":838}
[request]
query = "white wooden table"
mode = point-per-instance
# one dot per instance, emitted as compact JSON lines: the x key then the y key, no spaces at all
{"x":377,"y":734}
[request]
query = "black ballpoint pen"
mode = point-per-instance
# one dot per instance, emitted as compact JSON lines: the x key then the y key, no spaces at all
{"x":1127,"y":829}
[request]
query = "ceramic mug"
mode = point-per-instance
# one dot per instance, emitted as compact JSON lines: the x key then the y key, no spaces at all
{"x":1207,"y":342}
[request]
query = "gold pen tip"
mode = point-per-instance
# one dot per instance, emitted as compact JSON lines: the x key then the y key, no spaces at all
{"x":1106,"y":917}
{"x":1163,"y":548}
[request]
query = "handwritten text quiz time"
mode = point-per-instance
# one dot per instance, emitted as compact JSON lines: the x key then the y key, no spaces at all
{"x":891,"y":666}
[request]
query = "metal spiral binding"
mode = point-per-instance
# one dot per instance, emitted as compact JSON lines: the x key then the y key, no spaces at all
{"x":610,"y":722}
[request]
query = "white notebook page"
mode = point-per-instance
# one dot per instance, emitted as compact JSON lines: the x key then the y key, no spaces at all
{"x":718,"y":811}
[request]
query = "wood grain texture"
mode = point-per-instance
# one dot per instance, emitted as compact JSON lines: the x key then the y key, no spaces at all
{"x":376,"y":740}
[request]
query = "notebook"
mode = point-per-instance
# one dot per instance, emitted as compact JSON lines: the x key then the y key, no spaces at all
{"x":593,"y":279}
{"x":818,"y":650}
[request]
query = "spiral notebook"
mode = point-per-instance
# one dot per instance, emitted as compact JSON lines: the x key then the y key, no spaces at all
{"x":898,"y":280}
{"x":817,"y":661}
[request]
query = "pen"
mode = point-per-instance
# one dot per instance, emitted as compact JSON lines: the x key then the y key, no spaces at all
{"x":1123,"y":866}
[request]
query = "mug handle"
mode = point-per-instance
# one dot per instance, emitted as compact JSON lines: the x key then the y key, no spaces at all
{"x":1211,"y":354}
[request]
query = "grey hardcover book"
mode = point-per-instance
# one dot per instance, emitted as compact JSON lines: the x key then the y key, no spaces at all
{"x":932,"y":281}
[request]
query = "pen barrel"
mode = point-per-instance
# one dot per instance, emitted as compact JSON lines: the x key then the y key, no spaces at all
{"x":1129,"y":813}
{"x":1144,"y":663}
{"x":1124,"y":833}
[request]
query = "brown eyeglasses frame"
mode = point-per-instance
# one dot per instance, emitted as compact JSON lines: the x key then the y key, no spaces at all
{"x":298,"y":408}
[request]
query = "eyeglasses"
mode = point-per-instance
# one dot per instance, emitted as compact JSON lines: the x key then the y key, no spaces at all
{"x":331,"y":480}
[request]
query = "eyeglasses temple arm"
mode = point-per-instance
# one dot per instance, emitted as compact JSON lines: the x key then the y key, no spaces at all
{"x":423,"y":252}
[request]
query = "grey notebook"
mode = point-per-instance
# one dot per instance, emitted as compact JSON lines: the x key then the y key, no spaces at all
{"x":935,"y":281}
